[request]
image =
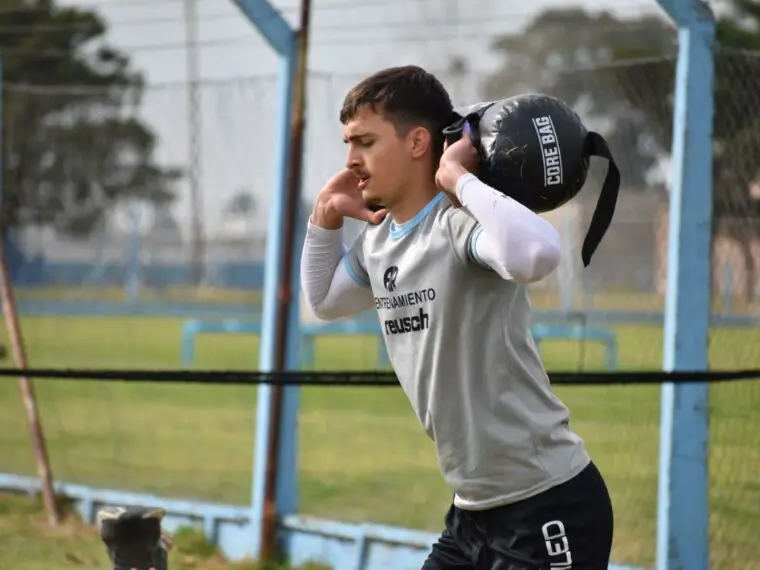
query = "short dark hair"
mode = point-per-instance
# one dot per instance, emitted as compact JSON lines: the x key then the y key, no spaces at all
{"x":406,"y":96}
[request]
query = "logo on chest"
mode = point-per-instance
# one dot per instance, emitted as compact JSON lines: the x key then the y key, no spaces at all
{"x":419,"y":321}
{"x":389,"y":278}
{"x":403,"y":325}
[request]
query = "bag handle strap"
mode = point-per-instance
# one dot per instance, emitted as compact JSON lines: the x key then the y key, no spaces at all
{"x":595,"y":145}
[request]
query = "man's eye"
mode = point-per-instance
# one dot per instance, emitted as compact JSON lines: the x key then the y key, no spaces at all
{"x":366,"y":144}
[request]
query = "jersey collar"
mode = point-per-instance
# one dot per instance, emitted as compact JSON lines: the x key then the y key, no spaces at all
{"x":400,"y":230}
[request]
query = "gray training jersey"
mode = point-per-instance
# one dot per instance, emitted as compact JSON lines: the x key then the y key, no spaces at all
{"x":458,"y":336}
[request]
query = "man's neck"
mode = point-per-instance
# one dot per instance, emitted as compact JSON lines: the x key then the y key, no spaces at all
{"x":413,"y":203}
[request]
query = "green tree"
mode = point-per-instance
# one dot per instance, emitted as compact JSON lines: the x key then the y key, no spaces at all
{"x":736,"y":122}
{"x":71,"y":147}
{"x":621,"y":73}
{"x":737,"y":130}
{"x":563,"y":51}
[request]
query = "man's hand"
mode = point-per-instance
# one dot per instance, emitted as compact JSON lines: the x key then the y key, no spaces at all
{"x":458,"y":159}
{"x":341,"y":198}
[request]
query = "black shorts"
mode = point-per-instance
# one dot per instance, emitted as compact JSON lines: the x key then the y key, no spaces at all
{"x":568,"y":527}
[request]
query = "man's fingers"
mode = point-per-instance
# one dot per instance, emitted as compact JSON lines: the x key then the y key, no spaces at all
{"x":367,"y":215}
{"x":378,"y":216}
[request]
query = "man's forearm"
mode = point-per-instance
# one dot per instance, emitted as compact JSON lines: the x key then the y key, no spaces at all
{"x":330,"y":290}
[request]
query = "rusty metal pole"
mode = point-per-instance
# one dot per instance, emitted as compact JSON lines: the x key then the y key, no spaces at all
{"x":17,"y":344}
{"x":286,"y":295}
{"x":27,"y":391}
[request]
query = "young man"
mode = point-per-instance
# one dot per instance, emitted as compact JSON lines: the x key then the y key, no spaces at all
{"x":445,"y":261}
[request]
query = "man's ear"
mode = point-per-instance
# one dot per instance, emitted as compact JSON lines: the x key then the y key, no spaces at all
{"x":419,"y":141}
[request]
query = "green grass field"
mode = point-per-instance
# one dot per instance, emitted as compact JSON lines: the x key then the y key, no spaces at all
{"x":362,"y":456}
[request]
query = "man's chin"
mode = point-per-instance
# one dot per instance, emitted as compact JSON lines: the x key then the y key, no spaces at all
{"x":372,"y":199}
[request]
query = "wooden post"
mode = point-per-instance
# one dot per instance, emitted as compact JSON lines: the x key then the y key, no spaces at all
{"x":27,"y":390}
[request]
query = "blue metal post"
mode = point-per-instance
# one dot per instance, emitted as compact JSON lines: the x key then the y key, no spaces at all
{"x":286,"y":469}
{"x":683,"y":504}
{"x":281,"y":37}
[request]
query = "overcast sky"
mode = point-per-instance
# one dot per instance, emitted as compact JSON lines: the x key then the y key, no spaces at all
{"x":350,"y":38}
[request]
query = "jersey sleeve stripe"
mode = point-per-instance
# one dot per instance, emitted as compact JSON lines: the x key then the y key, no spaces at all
{"x":353,"y":275}
{"x":474,"y":247}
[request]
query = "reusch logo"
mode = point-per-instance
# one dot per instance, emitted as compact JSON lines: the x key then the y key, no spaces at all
{"x":403,"y":325}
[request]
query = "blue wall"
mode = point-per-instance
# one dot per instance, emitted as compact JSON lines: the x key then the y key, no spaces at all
{"x":39,"y":273}
{"x":28,"y":270}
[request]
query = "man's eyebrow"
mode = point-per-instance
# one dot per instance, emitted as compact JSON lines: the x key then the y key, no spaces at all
{"x":356,"y":136}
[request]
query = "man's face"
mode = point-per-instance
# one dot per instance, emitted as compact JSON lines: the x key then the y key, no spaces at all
{"x":378,"y":156}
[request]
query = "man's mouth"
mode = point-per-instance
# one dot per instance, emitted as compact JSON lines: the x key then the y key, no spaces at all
{"x":363,"y":181}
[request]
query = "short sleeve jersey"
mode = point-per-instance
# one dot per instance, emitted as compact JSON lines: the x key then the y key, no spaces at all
{"x":459,"y":340}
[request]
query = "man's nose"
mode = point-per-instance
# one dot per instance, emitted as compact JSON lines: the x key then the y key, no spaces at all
{"x":353,"y":159}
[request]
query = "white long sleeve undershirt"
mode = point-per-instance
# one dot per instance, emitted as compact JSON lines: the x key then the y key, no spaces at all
{"x":516,"y":243}
{"x":330,"y":291}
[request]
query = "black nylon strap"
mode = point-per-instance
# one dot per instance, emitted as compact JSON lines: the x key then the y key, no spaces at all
{"x":595,"y":145}
{"x":453,"y":132}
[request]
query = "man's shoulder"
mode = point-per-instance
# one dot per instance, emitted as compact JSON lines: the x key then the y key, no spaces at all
{"x":456,"y":214}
